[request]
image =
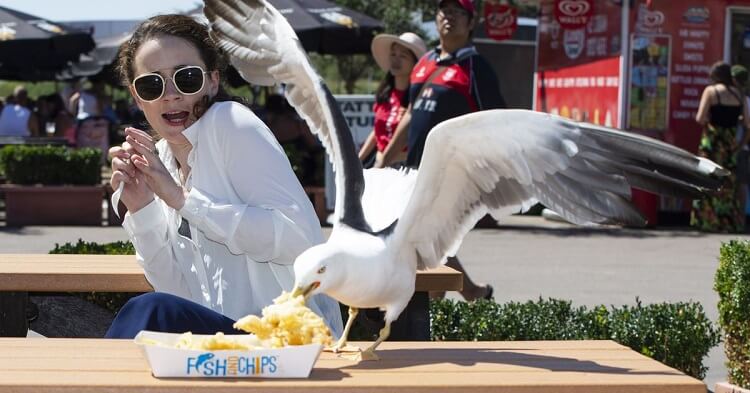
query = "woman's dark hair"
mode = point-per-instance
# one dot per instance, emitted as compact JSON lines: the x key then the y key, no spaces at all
{"x":721,"y":73}
{"x":55,"y":104}
{"x":188,"y":29}
{"x":383,"y":92}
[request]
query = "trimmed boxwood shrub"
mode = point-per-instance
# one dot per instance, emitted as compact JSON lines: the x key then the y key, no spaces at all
{"x":732,"y":282}
{"x":112,"y":301}
{"x":676,"y":334}
{"x":50,"y":165}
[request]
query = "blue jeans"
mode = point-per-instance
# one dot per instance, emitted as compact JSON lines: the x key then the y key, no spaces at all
{"x":167,"y":313}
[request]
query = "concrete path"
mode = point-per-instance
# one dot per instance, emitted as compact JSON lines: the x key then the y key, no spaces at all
{"x":528,"y":257}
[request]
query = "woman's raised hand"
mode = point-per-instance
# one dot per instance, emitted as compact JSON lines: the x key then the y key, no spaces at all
{"x":147,"y":164}
{"x":136,"y":193}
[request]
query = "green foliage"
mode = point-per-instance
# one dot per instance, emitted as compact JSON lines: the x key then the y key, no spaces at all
{"x":50,"y":165}
{"x":35,"y":89}
{"x":732,"y":282}
{"x":112,"y":301}
{"x":677,"y":334}
{"x":82,"y":247}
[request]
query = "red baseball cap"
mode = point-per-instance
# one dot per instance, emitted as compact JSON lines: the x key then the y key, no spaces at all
{"x":468,"y":5}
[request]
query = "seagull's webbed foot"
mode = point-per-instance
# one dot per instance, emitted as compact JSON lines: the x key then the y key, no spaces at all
{"x":369,"y":353}
{"x":340,"y":345}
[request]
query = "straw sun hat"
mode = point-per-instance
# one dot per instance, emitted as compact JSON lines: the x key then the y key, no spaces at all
{"x":381,"y":47}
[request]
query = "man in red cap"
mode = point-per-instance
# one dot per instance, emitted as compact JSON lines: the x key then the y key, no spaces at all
{"x":449,"y":81}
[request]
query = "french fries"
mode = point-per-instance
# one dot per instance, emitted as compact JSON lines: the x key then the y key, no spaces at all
{"x":287,"y":322}
{"x":216,"y":342}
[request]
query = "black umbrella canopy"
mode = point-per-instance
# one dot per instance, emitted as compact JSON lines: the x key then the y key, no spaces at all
{"x":327,"y":28}
{"x":32,"y":48}
{"x":101,"y":58}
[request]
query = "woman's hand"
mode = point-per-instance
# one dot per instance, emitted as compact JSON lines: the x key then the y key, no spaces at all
{"x":135,"y":194}
{"x":155,"y":174}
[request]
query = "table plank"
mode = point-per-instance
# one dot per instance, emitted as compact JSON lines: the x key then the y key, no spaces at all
{"x":96,"y":365}
{"x":121,"y":273}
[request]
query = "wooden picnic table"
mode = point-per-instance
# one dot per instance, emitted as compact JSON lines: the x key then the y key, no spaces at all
{"x":97,"y":365}
{"x":23,"y":273}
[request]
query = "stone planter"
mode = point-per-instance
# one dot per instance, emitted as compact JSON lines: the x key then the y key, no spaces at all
{"x":726,"y":387}
{"x":52,"y":205}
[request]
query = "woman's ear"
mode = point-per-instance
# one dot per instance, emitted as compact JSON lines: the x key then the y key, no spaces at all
{"x":214,"y":85}
{"x":135,"y":97}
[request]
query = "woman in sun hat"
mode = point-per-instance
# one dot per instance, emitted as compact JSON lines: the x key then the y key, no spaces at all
{"x":396,"y":55}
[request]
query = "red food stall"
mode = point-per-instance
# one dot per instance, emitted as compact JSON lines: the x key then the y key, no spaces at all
{"x":639,"y":65}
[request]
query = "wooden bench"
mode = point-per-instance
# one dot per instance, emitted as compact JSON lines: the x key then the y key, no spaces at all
{"x":99,"y":365}
{"x":23,"y":273}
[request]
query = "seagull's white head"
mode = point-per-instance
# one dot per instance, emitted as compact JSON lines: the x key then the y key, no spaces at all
{"x":318,"y":270}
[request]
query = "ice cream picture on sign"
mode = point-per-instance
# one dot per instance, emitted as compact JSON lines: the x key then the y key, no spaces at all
{"x":573,"y":14}
{"x":501,"y":20}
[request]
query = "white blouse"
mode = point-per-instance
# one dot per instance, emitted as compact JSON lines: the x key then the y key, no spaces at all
{"x":249,"y":219}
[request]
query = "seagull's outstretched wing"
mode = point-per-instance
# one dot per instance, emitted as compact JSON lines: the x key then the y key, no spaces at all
{"x":503,"y":161}
{"x":265,"y":50}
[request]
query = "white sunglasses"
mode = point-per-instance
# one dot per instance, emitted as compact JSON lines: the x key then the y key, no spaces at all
{"x":187,"y":80}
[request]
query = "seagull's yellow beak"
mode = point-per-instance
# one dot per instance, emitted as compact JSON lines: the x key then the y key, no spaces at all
{"x":305,"y":291}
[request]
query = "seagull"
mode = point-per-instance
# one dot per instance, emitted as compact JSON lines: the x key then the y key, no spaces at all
{"x":390,"y":223}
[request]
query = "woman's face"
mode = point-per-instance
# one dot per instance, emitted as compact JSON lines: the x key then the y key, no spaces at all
{"x":172,"y":113}
{"x":402,"y":60}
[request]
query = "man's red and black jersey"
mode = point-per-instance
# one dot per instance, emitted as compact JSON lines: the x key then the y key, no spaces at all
{"x":466,"y":83}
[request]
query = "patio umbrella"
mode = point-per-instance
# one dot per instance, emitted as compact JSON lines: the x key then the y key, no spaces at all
{"x":325,"y":27}
{"x":321,"y":26}
{"x":101,"y":58}
{"x":32,"y":48}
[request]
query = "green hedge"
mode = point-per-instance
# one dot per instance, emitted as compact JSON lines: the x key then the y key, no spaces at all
{"x":112,"y":301}
{"x":677,"y":334}
{"x":732,"y":282}
{"x":50,"y":165}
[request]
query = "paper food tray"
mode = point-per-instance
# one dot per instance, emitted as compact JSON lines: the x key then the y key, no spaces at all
{"x":287,"y":362}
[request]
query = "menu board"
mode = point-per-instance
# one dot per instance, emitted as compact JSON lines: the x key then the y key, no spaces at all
{"x":649,"y":82}
{"x":693,"y":29}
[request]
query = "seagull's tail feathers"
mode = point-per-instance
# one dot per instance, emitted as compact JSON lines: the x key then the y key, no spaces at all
{"x":651,"y":165}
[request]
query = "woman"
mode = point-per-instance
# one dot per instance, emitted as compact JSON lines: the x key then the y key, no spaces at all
{"x":56,"y":113}
{"x":396,"y":56}
{"x":719,"y":113}
{"x":215,"y":212}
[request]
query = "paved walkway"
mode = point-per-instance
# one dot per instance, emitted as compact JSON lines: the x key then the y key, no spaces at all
{"x":528,"y":257}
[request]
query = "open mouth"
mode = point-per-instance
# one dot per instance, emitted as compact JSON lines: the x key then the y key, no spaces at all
{"x":176,"y":118}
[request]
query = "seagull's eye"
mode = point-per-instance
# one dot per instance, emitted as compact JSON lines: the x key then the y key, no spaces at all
{"x":322,"y":270}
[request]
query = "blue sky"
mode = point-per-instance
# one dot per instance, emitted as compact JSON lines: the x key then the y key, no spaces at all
{"x":70,"y":10}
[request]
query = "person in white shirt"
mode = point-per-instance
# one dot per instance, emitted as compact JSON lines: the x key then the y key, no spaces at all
{"x":16,"y":119}
{"x":215,"y":212}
